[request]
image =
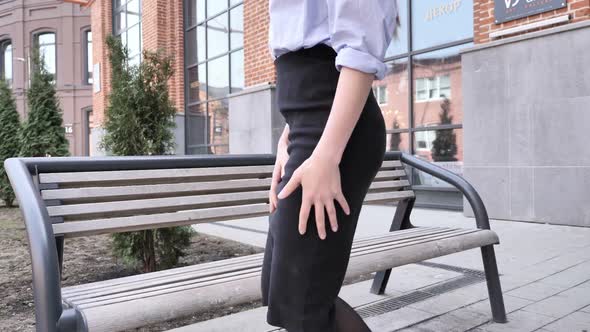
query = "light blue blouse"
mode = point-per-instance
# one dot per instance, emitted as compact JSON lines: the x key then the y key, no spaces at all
{"x":358,"y":30}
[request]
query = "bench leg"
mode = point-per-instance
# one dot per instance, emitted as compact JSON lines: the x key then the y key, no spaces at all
{"x":59,"y":243}
{"x":401,"y":220}
{"x":493,"y":281}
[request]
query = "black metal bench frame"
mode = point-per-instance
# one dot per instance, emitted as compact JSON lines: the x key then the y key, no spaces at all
{"x":47,"y":250}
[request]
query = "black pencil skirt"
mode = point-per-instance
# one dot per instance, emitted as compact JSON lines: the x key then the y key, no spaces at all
{"x":302,"y":274}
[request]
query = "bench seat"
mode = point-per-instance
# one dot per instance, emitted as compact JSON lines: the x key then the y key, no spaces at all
{"x":140,"y":300}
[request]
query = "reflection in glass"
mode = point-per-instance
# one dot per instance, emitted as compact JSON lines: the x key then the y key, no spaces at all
{"x":236,"y":17}
{"x":392,"y":95}
{"x":191,"y":46}
{"x":197,"y":124}
{"x":133,"y":41}
{"x":201,"y":44}
{"x":437,"y":86}
{"x":46,"y":44}
{"x":443,"y":147}
{"x":219,"y":126}
{"x":218,"y":82}
{"x":89,"y":57}
{"x":127,"y":26}
{"x":196,"y":87}
{"x":398,"y":141}
{"x":217,"y":36}
{"x":237,"y":71}
{"x":399,"y":44}
{"x":436,"y":22}
{"x":215,"y":7}
{"x":6,"y":61}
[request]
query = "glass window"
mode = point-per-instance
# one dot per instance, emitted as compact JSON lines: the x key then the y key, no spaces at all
{"x":392,"y":95}
{"x":237,"y":27}
{"x":217,"y":36}
{"x":218,"y":80}
{"x":237,"y":71}
{"x":6,"y":61}
{"x":88,"y":55}
{"x":219,"y":128}
{"x":436,"y":22}
{"x":215,"y":7}
{"x":399,"y":44}
{"x":442,"y":147}
{"x":214,"y":53}
{"x":398,"y":141}
{"x":127,"y":26}
{"x":437,"y":77}
{"x":47,"y":50}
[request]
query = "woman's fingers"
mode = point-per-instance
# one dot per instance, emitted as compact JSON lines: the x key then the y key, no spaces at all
{"x":272,"y":194}
{"x":319,"y":219}
{"x":291,"y":185}
{"x":343,"y":203}
{"x":304,"y":215}
{"x":332,"y":215}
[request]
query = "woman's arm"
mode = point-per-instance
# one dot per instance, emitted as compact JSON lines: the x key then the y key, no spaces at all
{"x":351,"y":96}
{"x":360,"y":32}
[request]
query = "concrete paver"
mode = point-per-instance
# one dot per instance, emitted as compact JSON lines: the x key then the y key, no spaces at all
{"x":563,"y":303}
{"x":545,"y":276}
{"x":575,"y":322}
{"x":519,"y":321}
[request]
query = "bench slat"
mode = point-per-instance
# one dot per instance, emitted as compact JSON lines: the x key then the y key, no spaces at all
{"x":174,"y":218}
{"x":146,"y":206}
{"x":196,"y":280}
{"x":155,"y":175}
{"x":172,"y":276}
{"x":146,"y":308}
{"x":127,"y":224}
{"x":168,"y":175}
{"x":120,"y":193}
{"x":116,"y":193}
{"x":74,"y":290}
{"x":171,"y":204}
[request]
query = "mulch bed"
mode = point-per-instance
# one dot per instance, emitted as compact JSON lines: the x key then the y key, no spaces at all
{"x":86,"y":260}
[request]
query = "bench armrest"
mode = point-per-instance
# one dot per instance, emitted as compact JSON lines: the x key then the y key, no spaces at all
{"x":479,"y":209}
{"x":44,"y":261}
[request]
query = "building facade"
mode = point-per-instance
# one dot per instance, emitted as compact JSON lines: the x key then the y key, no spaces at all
{"x":488,"y":89}
{"x":62,"y":32}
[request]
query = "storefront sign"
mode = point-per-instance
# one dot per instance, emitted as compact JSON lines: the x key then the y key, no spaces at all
{"x":508,"y":10}
{"x":443,"y":9}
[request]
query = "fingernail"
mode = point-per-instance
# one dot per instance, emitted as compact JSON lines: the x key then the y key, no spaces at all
{"x":335,"y":228}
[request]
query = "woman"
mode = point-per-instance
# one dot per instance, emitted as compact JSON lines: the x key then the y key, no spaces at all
{"x":327,"y":53}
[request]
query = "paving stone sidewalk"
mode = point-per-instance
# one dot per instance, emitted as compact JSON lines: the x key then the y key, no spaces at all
{"x":545,"y":275}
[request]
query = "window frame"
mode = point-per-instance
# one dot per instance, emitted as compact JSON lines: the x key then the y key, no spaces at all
{"x":122,"y":10}
{"x":87,"y":57}
{"x":4,"y":44}
{"x":189,"y":27}
{"x":36,"y":35}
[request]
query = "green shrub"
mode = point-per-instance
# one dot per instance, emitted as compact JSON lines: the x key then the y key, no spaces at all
{"x":42,"y":133}
{"x":9,"y":143}
{"x":139,"y":120}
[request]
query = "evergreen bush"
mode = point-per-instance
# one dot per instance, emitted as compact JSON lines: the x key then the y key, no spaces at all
{"x":139,"y":120}
{"x":9,"y":143}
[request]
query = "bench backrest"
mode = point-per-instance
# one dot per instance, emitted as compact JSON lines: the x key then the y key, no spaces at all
{"x":95,"y":202}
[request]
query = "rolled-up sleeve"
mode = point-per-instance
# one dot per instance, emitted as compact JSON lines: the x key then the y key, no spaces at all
{"x":360,"y":32}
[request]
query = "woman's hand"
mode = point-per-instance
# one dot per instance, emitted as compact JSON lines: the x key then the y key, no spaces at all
{"x":320,"y":180}
{"x":279,"y":169}
{"x":319,"y":175}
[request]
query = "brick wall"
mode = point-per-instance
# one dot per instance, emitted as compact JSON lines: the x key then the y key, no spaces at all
{"x":483,"y":16}
{"x":258,"y":64}
{"x":101,"y":18}
{"x":162,"y":28}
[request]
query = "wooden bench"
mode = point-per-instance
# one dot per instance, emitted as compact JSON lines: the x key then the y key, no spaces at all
{"x":70,"y":197}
